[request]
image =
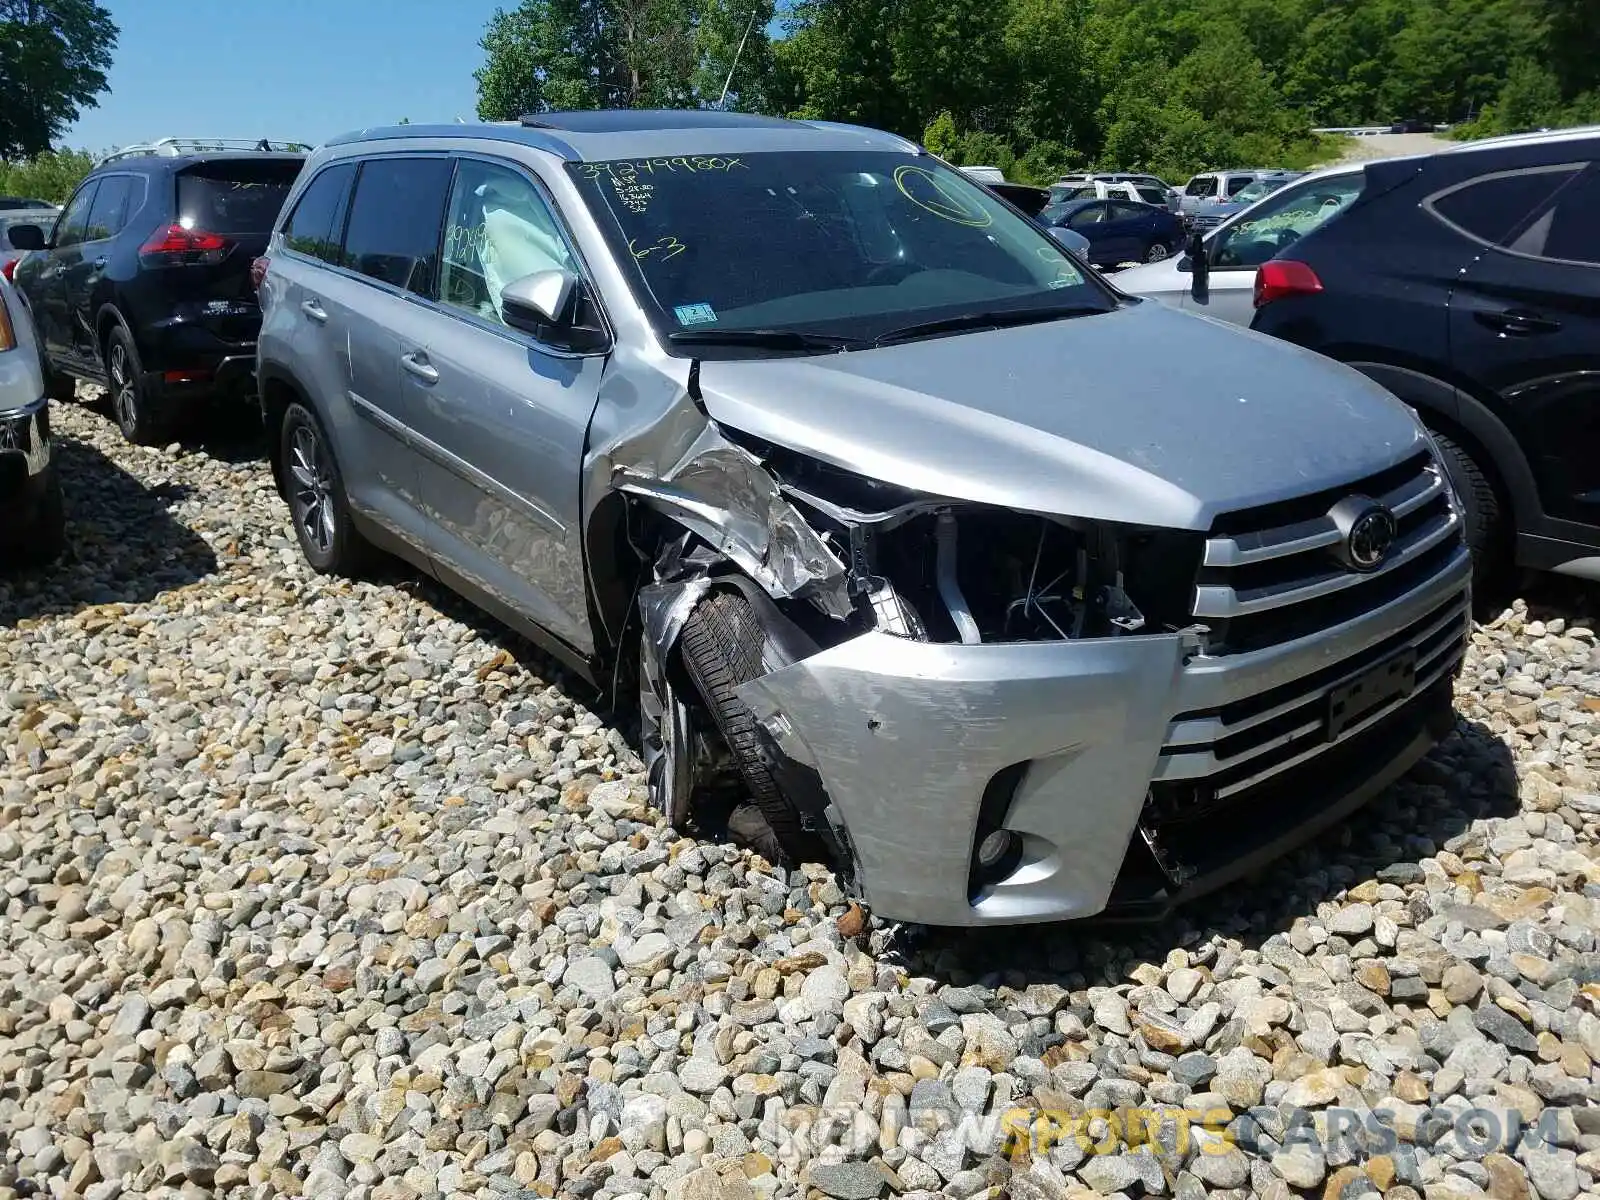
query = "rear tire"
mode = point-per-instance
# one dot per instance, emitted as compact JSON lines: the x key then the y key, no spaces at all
{"x":721,"y":650}
{"x":1487,"y":530}
{"x":136,"y":413}
{"x":1157,"y":252}
{"x":314,"y":487}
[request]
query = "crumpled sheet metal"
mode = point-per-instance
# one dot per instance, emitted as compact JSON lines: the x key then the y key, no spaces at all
{"x":724,"y":494}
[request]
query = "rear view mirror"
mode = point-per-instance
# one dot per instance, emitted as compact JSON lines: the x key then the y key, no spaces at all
{"x":26,"y":237}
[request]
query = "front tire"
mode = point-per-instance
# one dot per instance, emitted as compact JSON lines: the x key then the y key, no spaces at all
{"x":135,"y":412}
{"x":722,"y":650}
{"x":1488,"y":532}
{"x":1158,"y":252}
{"x":40,"y":542}
{"x":314,"y":487}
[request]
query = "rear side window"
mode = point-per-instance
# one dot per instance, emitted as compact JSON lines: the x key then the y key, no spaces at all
{"x":393,"y":234}
{"x":1569,"y":231}
{"x":118,"y":197}
{"x":318,"y":218}
{"x":1201,"y":185}
{"x":1152,"y":195}
{"x":1238,"y":183}
{"x":1491,"y":207}
{"x":1126,"y":211}
{"x":235,"y":197}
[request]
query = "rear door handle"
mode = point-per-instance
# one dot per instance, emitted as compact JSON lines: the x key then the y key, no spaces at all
{"x":314,"y":310}
{"x":417,"y":364}
{"x":1517,"y":322}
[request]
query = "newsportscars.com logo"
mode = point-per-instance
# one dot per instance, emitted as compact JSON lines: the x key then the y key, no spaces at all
{"x":803,"y":1133}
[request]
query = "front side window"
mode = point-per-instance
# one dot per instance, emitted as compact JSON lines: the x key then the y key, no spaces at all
{"x":1089,"y":214}
{"x":315,"y":225}
{"x":845,"y":243}
{"x":1201,"y":185}
{"x":109,"y":213}
{"x":393,"y":234}
{"x":1128,"y":211}
{"x":1490,"y":207}
{"x":69,"y":229}
{"x":1283,"y":219}
{"x":498,"y":229}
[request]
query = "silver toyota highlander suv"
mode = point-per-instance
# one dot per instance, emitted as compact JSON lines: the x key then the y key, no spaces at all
{"x":1016,"y":597}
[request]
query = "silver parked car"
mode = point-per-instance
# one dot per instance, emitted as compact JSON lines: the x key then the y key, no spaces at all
{"x":1224,"y":284}
{"x":884,"y":501}
{"x":32,"y":518}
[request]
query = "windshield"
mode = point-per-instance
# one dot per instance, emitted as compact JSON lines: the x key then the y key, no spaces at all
{"x":845,"y":243}
{"x":1283,"y":219}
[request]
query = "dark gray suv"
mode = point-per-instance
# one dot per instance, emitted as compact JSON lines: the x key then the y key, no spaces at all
{"x":1016,"y":597}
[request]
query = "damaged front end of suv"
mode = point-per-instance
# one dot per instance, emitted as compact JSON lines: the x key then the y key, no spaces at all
{"x":953,"y":701}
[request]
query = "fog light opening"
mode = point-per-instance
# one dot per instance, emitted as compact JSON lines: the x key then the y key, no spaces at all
{"x":995,"y":848}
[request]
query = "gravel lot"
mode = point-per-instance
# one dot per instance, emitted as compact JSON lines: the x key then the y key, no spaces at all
{"x":337,"y":890}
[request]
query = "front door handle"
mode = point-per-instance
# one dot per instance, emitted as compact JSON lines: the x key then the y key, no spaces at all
{"x":417,"y":364}
{"x":314,"y":310}
{"x":1517,"y":322}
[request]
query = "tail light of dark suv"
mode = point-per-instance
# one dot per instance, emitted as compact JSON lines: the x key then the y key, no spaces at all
{"x":176,"y":246}
{"x":1280,"y":278}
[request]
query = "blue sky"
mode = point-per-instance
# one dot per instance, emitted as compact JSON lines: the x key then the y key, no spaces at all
{"x":298,"y":69}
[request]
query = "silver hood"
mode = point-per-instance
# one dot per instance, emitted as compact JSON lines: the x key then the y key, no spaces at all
{"x":1145,"y":416}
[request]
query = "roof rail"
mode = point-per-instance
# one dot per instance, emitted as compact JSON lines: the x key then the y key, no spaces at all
{"x":171,"y":147}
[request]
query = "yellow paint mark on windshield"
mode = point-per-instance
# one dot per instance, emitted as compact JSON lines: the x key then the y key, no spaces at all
{"x":932,"y":194}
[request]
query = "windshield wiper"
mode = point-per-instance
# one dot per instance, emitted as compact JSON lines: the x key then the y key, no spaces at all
{"x":775,"y":339}
{"x":985,"y":320}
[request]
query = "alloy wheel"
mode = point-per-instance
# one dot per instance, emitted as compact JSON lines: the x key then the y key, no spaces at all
{"x":311,"y":496}
{"x":664,"y":738}
{"x":124,"y":392}
{"x":1156,"y":253}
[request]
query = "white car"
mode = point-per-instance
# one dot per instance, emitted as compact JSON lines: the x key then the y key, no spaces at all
{"x":985,"y":174}
{"x":32,"y":527}
{"x":1225,"y":287}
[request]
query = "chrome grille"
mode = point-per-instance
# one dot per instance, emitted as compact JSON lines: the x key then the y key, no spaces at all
{"x":1271,"y":575}
{"x":1233,"y":748}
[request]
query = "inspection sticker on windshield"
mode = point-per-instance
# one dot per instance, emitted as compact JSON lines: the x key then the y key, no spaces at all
{"x":694,"y":314}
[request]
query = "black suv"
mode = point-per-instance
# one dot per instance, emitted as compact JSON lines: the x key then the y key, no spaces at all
{"x":144,"y":284}
{"x":1467,"y":282}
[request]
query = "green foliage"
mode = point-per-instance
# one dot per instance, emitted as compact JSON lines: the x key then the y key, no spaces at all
{"x":564,"y":54}
{"x":48,"y":176}
{"x":1174,"y":86}
{"x":1039,"y":87}
{"x":54,"y":55}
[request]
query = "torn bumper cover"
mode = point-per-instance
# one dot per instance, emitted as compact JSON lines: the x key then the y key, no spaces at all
{"x":908,"y":736}
{"x":1093,"y":757}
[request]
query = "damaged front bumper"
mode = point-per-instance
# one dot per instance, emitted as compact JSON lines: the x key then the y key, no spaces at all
{"x":1101,"y":758}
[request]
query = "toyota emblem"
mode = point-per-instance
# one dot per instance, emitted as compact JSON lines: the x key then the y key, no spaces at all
{"x":1367,"y":531}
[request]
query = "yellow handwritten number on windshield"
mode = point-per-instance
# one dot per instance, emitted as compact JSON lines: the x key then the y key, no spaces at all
{"x":667,"y":247}
{"x":927,"y":191}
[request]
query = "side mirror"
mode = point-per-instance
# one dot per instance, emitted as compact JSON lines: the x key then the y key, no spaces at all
{"x":1199,"y":264}
{"x":551,"y":306}
{"x":27,"y":237}
{"x":536,"y":302}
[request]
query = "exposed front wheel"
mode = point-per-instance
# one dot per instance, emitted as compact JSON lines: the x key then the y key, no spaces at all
{"x":721,"y":651}
{"x":1158,"y":252}
{"x":311,"y":481}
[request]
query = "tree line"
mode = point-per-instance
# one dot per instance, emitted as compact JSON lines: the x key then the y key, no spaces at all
{"x":1041,"y":86}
